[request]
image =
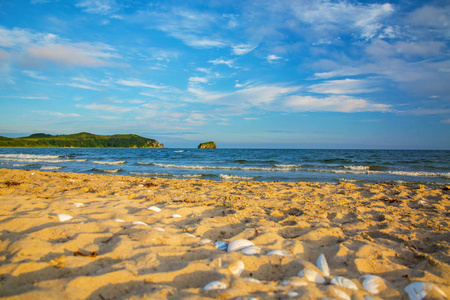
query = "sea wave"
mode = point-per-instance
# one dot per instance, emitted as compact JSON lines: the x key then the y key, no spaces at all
{"x":51,"y":168}
{"x":232,"y":177}
{"x":120,"y":162}
{"x":32,"y":158}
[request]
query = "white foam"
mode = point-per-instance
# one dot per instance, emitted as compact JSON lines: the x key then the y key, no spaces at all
{"x":235,"y":177}
{"x":50,"y":168}
{"x":120,"y":162}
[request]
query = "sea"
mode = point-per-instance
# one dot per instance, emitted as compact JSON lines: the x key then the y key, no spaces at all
{"x":290,"y":165}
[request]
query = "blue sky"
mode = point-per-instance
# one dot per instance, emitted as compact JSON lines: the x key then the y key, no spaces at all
{"x":271,"y":74}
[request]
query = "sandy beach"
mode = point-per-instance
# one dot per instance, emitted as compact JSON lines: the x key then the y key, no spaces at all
{"x":80,"y":236}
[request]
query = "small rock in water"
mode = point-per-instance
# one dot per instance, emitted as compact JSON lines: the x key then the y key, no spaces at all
{"x":239,"y":244}
{"x":154,"y":208}
{"x":215,"y":285}
{"x":236,"y":268}
{"x":221,"y":245}
{"x":64,"y":217}
{"x":344,"y":282}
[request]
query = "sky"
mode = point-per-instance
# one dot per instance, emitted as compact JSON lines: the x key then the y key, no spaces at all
{"x":245,"y":74}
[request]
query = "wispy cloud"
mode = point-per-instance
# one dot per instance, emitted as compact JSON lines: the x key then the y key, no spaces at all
{"x":344,"y":87}
{"x":138,"y":83}
{"x":345,"y":104}
{"x":228,"y":62}
{"x":273,"y":58}
{"x":102,"y":7}
{"x":242,"y":49}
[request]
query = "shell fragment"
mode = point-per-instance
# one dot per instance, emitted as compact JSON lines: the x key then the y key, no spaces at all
{"x":344,"y":282}
{"x":215,"y":285}
{"x":64,"y":217}
{"x":311,"y":275}
{"x":322,"y":264}
{"x":239,"y":244}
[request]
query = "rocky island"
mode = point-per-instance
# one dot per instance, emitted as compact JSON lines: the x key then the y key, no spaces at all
{"x":207,"y":145}
{"x":80,"y":140}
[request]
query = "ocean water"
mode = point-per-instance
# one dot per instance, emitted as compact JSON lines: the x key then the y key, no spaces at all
{"x":365,"y":166}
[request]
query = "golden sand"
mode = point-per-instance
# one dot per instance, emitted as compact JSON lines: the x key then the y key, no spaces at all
{"x":398,"y":232}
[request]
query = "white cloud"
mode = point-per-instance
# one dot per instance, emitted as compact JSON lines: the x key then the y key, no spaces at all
{"x":83,"y":86}
{"x":108,"y":108}
{"x":198,"y":79}
{"x":242,"y":49}
{"x":102,"y":7}
{"x":272,"y":58}
{"x":228,"y":62}
{"x":333,"y":104}
{"x":35,"y":75}
{"x":137,"y":83}
{"x":343,"y":87}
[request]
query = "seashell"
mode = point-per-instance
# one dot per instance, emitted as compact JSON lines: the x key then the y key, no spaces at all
{"x":294,"y":281}
{"x":215,"y":285}
{"x":159,"y":228}
{"x":419,"y":290}
{"x":252,"y":250}
{"x":239,"y":244}
{"x":311,"y":275}
{"x":154,"y":208}
{"x":236,"y":268}
{"x":322,"y":264}
{"x":250,"y":279}
{"x":279,"y":253}
{"x":176,"y":216}
{"x":221,"y":245}
{"x":292,"y":294}
{"x":64,"y":217}
{"x":78,"y":204}
{"x":139,"y":223}
{"x":119,"y":220}
{"x":205,"y":241}
{"x":344,"y":282}
{"x":189,"y":235}
{"x":335,"y":292}
{"x":373,"y":284}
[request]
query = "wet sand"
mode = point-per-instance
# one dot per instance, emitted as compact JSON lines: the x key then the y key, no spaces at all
{"x":400,"y":233}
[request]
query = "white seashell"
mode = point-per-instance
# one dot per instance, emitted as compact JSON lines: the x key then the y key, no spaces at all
{"x":344,"y":282}
{"x":221,"y":245}
{"x":322,"y":264}
{"x":294,"y":281}
{"x":239,"y":244}
{"x":252,"y":250}
{"x":64,"y":217}
{"x":159,"y":228}
{"x":419,"y":290}
{"x":293,"y":294}
{"x":279,"y":253}
{"x":236,"y":268}
{"x":139,"y":223}
{"x":373,"y":284}
{"x":311,"y":275}
{"x":215,"y":285}
{"x":176,"y":216}
{"x":119,"y":220}
{"x":78,"y":204}
{"x":335,"y":292}
{"x":205,"y":241}
{"x":154,"y":208}
{"x":189,"y":235}
{"x":250,"y":279}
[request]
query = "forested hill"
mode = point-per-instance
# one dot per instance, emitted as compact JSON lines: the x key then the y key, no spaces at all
{"x":81,"y":140}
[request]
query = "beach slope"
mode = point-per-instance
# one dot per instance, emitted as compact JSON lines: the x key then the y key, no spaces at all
{"x":79,"y":236}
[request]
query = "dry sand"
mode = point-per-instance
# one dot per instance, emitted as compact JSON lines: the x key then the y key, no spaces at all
{"x":400,"y":233}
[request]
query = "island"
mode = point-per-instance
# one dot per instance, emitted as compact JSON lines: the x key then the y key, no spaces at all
{"x":207,"y":145}
{"x":80,"y":140}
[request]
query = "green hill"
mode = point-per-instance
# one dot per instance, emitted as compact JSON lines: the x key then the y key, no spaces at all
{"x":80,"y":140}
